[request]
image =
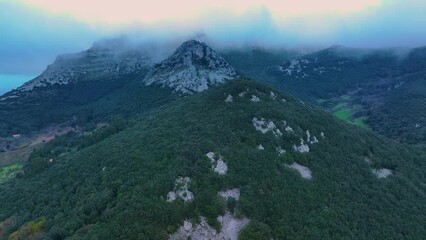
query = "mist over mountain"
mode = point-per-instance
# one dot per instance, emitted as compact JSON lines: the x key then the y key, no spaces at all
{"x":51,"y":29}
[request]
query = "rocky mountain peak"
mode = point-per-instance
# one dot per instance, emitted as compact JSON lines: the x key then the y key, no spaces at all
{"x":106,"y":59}
{"x":193,"y":67}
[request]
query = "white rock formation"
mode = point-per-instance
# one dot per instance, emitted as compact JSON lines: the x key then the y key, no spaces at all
{"x":221,"y":168}
{"x":231,"y":227}
{"x":302,"y":148}
{"x":295,"y":66}
{"x":229,"y":98}
{"x":265,"y":126}
{"x":287,"y":127}
{"x":304,"y":171}
{"x":230,"y":193}
{"x":193,"y":67}
{"x":260,"y":147}
{"x":255,"y":98}
{"x":382,"y":172}
{"x":242,"y":94}
{"x":181,"y":190}
{"x":273,"y":95}
{"x":201,"y":231}
{"x":218,"y":165}
{"x":280,"y":151}
{"x":311,"y":139}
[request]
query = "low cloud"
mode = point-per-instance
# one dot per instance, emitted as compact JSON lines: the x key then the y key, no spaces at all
{"x":35,"y":31}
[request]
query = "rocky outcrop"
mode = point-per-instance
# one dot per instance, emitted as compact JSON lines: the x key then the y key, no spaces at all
{"x":193,"y":67}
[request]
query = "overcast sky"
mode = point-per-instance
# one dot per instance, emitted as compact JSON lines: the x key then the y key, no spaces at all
{"x":33,"y":32}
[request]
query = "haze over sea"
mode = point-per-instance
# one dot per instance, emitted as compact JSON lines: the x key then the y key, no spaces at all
{"x":11,"y":81}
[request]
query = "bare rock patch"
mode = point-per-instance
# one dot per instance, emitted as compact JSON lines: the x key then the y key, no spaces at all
{"x":231,"y":227}
{"x":181,"y":190}
{"x":218,"y":165}
{"x":304,"y":171}
{"x":265,"y":126}
{"x":382,"y":172}
{"x":229,"y":98}
{"x":230,"y":193}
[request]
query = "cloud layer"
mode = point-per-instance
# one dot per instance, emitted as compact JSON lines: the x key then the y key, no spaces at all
{"x":35,"y":31}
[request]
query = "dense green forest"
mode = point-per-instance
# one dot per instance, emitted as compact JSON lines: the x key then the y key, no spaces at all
{"x":80,"y":103}
{"x":113,"y":183}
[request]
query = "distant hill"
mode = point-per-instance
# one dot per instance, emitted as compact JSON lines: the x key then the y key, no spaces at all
{"x":381,"y":89}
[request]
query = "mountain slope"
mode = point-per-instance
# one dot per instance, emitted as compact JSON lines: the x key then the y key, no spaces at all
{"x":193,"y":67}
{"x":301,"y":174}
{"x":105,"y":59}
{"x":258,"y":63}
{"x":373,"y":88}
{"x":77,"y":86}
{"x":377,"y":87}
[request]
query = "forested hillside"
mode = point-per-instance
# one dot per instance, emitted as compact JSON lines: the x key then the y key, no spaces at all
{"x":299,"y":174}
{"x":380,"y":89}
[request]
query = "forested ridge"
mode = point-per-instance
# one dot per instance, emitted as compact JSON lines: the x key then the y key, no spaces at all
{"x":113,"y":183}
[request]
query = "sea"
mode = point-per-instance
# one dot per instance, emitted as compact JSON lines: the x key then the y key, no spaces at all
{"x":12,"y":81}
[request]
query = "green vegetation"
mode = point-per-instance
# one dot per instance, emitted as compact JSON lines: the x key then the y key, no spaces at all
{"x":16,"y":156}
{"x":255,"y":230}
{"x":346,"y":112}
{"x":361,"y":122}
{"x":258,"y":63}
{"x":115,"y":186}
{"x":29,"y":230}
{"x":9,"y":172}
{"x":81,"y":103}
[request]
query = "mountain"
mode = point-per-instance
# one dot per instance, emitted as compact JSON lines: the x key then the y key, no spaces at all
{"x":381,"y":89}
{"x":106,"y":59}
{"x":113,"y":77}
{"x":237,"y":160}
{"x":86,"y":90}
{"x":81,"y":87}
{"x":193,"y":67}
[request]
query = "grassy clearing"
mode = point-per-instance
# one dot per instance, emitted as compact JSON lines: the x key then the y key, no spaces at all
{"x":361,"y":122}
{"x":346,"y":112}
{"x":9,"y":172}
{"x":16,"y":156}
